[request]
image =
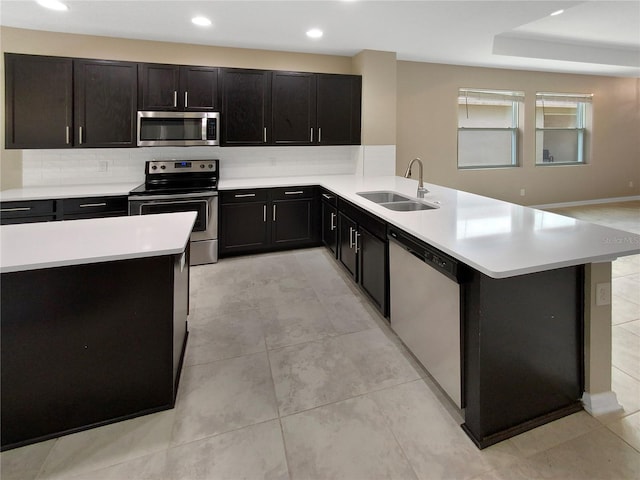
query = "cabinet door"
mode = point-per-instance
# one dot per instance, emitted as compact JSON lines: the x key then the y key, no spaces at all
{"x":294,"y":108}
{"x":243,"y":227}
{"x":105,"y":103}
{"x":292,"y":222}
{"x":339,"y":109}
{"x":199,"y":89}
{"x":158,"y":86}
{"x":373,"y":271}
{"x":346,"y":238}
{"x":38,"y":101}
{"x":330,"y":226}
{"x":246,"y":107}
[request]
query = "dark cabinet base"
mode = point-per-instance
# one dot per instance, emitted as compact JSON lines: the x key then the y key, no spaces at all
{"x":523,"y":352}
{"x":87,"y":345}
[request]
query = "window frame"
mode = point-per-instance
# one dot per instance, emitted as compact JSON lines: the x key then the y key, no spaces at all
{"x":516,"y":98}
{"x":581,"y":100}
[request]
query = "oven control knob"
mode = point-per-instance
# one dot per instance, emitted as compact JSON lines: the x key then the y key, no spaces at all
{"x":154,"y":167}
{"x":202,"y":165}
{"x":162,"y":167}
{"x":211,"y":165}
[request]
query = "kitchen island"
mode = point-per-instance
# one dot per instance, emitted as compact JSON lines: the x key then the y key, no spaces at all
{"x":535,"y":344}
{"x":93,"y":321}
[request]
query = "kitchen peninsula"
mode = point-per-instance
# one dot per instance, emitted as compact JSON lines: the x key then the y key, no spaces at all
{"x":535,"y":344}
{"x":93,"y":321}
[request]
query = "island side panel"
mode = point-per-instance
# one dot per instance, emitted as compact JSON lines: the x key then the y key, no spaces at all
{"x":523,"y":344}
{"x":85,"y":345}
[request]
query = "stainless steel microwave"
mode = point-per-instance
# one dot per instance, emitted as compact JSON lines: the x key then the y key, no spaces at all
{"x":178,"y":129}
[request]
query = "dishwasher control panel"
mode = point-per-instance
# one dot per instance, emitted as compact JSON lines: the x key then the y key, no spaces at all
{"x":428,"y":254}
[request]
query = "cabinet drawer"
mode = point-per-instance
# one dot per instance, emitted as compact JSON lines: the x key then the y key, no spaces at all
{"x":372,"y":223}
{"x":94,"y":206}
{"x":240,"y":196}
{"x":328,"y":196}
{"x":292,"y":193}
{"x":31,"y":208}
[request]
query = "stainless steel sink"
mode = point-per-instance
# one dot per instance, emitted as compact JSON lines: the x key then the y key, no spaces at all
{"x":396,"y":201}
{"x":383,"y":197}
{"x":410,"y":206}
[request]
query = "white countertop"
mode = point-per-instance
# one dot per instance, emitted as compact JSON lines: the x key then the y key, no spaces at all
{"x":33,"y":246}
{"x":67,"y":191}
{"x":499,"y":239}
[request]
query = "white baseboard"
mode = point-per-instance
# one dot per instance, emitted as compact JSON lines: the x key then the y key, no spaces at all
{"x":587,"y":202}
{"x":600,"y":403}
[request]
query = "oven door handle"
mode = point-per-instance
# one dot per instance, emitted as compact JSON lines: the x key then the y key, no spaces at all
{"x":174,"y":202}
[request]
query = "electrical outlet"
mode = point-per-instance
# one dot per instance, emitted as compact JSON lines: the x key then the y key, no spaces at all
{"x":631,"y":184}
{"x":103,"y":166}
{"x":603,"y":294}
{"x":522,"y":192}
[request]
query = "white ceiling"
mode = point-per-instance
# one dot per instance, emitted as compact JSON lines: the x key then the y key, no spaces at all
{"x":591,"y":37}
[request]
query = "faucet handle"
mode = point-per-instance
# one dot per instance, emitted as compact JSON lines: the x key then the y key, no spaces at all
{"x":421,"y":192}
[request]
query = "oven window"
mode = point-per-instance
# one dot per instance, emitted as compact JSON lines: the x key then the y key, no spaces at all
{"x":170,"y":129}
{"x":199,"y":206}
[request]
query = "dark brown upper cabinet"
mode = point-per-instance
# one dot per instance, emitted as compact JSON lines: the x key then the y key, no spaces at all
{"x":39,"y":101}
{"x":246,"y":107}
{"x":294,"y":108}
{"x":56,"y":102}
{"x":339,"y":107}
{"x":105,"y":100}
{"x":178,"y":88}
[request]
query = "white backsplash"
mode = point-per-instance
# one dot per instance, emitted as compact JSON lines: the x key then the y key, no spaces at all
{"x":111,"y":165}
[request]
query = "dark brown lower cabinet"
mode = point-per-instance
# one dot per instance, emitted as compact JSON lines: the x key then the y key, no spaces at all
{"x":329,"y":228}
{"x":364,"y":251}
{"x":243,"y":227}
{"x":87,"y":345}
{"x":260,"y":220}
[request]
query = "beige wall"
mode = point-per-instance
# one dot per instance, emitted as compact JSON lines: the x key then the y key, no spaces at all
{"x":413,"y":106}
{"x":378,"y":70}
{"x":427,"y":128}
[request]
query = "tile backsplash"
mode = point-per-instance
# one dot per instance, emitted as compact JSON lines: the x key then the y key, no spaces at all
{"x":69,"y":167}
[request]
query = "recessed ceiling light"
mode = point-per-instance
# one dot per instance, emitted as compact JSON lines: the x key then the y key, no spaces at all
{"x":52,"y":4}
{"x":314,"y":33}
{"x":201,"y":21}
{"x":557,"y":12}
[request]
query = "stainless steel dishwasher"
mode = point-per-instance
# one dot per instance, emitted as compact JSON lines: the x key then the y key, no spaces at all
{"x":425,"y":308}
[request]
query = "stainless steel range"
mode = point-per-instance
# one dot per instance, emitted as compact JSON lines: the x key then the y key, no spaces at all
{"x":183,"y":186}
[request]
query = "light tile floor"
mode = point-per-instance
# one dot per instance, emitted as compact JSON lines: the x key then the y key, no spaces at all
{"x":291,"y":374}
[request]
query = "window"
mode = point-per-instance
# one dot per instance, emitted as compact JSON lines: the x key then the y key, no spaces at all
{"x":488,"y":128}
{"x":561,"y":128}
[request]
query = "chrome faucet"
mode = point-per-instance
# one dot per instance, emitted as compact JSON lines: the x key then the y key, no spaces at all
{"x":407,"y":174}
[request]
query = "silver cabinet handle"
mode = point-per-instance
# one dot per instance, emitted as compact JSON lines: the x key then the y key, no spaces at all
{"x":67,"y":134}
{"x":351,"y":242}
{"x":15,"y":209}
{"x":311,"y":140}
{"x":319,"y":134}
{"x":175,"y":98}
{"x":356,"y":242}
{"x":333,"y":217}
{"x":328,"y":197}
{"x":297,"y":192}
{"x":244,"y":195}
{"x":80,"y":135}
{"x":274,"y":213}
{"x":265,"y":135}
{"x":264,"y":213}
{"x":186,"y":103}
{"x":88,"y":205}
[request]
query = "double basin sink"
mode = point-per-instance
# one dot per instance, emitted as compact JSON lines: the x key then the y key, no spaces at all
{"x":396,"y":201}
